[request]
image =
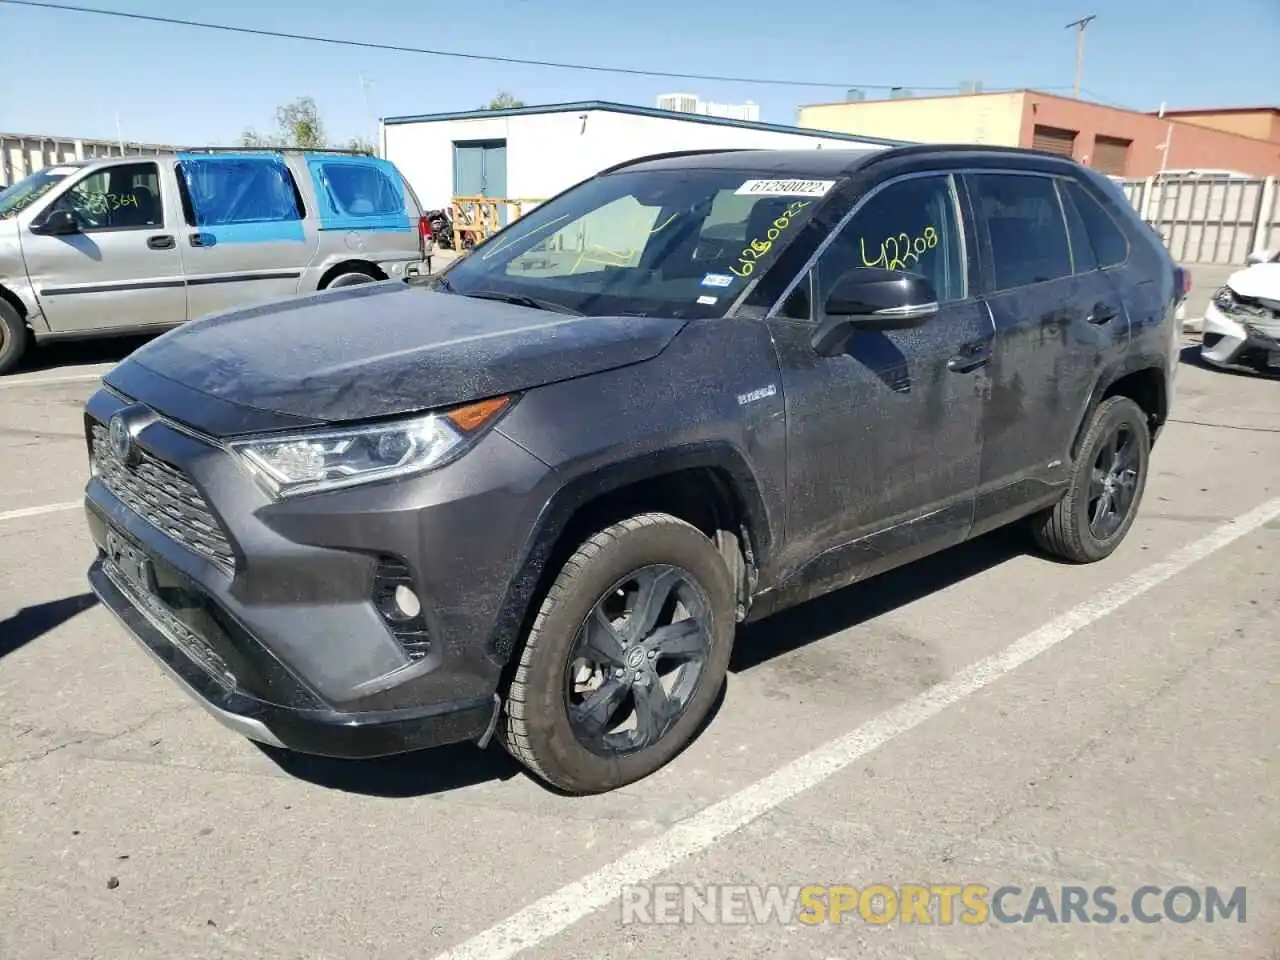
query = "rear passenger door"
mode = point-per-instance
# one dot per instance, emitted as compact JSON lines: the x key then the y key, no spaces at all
{"x":246,"y":238}
{"x":1057,"y":315}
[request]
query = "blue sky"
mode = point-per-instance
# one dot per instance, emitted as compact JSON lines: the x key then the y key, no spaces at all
{"x":179,"y":85}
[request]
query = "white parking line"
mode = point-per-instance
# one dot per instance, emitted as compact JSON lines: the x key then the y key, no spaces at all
{"x":37,"y":511}
{"x":549,"y":916}
{"x":14,"y":383}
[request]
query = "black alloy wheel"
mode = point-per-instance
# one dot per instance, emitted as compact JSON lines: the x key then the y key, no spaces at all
{"x":638,"y":660}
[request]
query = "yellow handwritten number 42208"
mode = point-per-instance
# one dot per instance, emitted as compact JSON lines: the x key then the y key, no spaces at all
{"x":901,"y":251}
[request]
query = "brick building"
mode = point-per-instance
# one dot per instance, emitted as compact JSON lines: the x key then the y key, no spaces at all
{"x":1122,"y":143}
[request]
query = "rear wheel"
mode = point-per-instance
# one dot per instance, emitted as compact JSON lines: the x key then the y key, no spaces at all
{"x":1106,"y":486}
{"x":14,"y":337}
{"x":626,"y":657}
{"x":349,"y":279}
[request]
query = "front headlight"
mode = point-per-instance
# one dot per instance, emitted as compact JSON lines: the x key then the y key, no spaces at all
{"x":1224,"y":298}
{"x":287,"y":465}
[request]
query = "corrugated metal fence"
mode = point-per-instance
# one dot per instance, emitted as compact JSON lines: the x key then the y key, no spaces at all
{"x":1209,"y":219}
{"x":23,"y":154}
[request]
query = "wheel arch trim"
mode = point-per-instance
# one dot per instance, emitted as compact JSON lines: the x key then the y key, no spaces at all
{"x":590,"y":485}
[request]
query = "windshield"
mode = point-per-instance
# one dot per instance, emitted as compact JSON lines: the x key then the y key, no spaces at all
{"x":15,"y":199}
{"x":678,"y":243}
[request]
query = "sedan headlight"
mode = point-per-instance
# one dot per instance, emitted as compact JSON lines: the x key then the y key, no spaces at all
{"x":1224,"y":298}
{"x":288,"y":465}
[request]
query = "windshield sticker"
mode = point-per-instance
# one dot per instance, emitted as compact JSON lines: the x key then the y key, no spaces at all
{"x":761,"y":245}
{"x":708,"y":300}
{"x":900,"y":251}
{"x":717,"y":280}
{"x":785,"y":188}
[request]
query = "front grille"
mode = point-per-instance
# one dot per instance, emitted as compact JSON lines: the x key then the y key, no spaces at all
{"x":162,"y":496}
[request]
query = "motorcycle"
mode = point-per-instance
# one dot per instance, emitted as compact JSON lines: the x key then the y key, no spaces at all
{"x":441,"y":223}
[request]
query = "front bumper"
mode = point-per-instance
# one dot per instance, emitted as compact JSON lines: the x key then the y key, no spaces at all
{"x":320,"y":731}
{"x":1235,"y":344}
{"x":277,"y":632}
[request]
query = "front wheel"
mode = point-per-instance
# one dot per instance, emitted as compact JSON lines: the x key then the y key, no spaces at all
{"x":625,"y":658}
{"x":1106,"y":486}
{"x":14,"y":337}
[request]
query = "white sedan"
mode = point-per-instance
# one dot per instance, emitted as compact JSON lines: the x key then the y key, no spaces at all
{"x":1242,"y":321}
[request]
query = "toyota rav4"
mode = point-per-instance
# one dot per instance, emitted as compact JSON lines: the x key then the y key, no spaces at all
{"x":534,"y":496}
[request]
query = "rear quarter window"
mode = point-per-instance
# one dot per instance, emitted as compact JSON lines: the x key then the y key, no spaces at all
{"x":1102,"y":234}
{"x":355,"y":194}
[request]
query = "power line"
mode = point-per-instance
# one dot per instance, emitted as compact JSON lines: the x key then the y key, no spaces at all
{"x":399,"y":48}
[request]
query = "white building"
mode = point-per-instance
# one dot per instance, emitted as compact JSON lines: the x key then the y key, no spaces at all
{"x":532,"y":153}
{"x":692,"y":103}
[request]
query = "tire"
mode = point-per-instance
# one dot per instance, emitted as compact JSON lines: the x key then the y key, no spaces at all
{"x":350,"y":279}
{"x":536,"y":727}
{"x":1069,"y":529}
{"x":14,"y":337}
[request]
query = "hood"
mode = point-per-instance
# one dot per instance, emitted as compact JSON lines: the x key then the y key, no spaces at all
{"x":1260,"y":282}
{"x":370,"y":351}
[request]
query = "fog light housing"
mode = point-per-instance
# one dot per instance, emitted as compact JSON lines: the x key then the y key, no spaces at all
{"x":400,"y":606}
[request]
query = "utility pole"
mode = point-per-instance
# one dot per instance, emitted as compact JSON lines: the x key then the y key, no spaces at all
{"x":364,"y":91}
{"x":1080,"y":25}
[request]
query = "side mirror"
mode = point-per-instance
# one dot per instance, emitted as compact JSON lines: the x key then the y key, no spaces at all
{"x":871,"y":298}
{"x":59,"y":223}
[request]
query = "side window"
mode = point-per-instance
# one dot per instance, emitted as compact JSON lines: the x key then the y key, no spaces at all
{"x":122,"y":197}
{"x":910,"y":225}
{"x":1109,"y":244}
{"x":1083,"y":255}
{"x":221,"y":191}
{"x":1026,"y":226}
{"x":362,"y":190}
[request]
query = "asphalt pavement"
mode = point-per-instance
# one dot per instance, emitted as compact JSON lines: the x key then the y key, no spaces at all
{"x":986,"y":718}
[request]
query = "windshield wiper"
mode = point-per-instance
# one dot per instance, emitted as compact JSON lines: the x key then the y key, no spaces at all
{"x":521,"y":300}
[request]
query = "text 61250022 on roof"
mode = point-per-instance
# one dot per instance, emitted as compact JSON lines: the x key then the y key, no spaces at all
{"x":533,"y":498}
{"x":128,"y":245}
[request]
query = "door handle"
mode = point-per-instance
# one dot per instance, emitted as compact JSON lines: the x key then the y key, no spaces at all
{"x":202,"y":239}
{"x":160,"y":242}
{"x":1102,"y":313}
{"x":971,"y":357}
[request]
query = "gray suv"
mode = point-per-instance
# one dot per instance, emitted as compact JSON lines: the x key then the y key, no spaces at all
{"x":533,"y":497}
{"x":139,"y":244}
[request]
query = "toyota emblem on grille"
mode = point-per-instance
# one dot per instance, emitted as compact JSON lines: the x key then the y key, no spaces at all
{"x":121,"y":440}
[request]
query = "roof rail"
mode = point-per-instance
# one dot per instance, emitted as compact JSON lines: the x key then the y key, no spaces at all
{"x":266,"y":148}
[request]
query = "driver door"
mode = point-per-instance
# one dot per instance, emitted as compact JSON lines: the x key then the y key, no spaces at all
{"x":123,"y":268}
{"x":884,"y":439}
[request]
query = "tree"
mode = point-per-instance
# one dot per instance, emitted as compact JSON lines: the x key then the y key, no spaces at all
{"x":298,"y":124}
{"x":361,"y":145}
{"x":503,"y":101}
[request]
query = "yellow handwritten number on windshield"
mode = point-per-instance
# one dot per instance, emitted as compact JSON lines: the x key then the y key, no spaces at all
{"x":758,"y":247}
{"x":901,"y":251}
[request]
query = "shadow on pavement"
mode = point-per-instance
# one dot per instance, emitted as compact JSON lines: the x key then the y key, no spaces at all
{"x":790,"y":629}
{"x":31,"y":622}
{"x":70,"y":353}
{"x":408,"y":775}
